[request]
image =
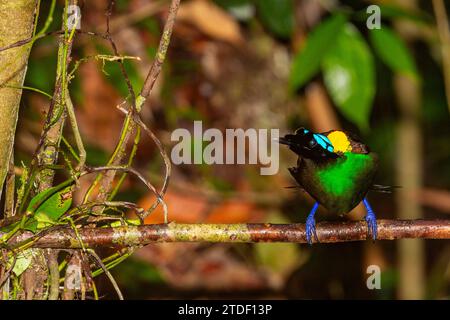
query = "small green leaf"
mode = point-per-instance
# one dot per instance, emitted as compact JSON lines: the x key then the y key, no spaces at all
{"x":307,"y":62}
{"x":277,"y":16}
{"x":23,"y":261}
{"x":48,"y":206}
{"x":349,"y":76}
{"x":393,"y":51}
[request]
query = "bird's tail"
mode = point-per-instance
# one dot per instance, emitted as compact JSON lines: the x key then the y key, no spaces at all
{"x":383,"y":189}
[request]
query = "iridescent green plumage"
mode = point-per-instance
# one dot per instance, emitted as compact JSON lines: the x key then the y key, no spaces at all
{"x":338,"y":184}
{"x":336,"y":169}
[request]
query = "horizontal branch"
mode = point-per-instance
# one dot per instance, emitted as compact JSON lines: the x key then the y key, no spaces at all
{"x":327,"y":232}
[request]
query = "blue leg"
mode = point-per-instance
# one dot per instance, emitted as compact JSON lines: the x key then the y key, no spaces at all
{"x":371,"y":220}
{"x":311,"y":224}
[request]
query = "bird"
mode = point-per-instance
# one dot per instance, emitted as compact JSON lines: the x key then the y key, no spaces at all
{"x":337,"y":169}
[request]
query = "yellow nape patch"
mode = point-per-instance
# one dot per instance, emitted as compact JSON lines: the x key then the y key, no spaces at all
{"x":340,"y":141}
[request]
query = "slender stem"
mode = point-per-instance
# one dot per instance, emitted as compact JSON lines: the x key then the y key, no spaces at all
{"x":69,"y":147}
{"x":10,"y":189}
{"x":108,"y":274}
{"x":76,"y":132}
{"x":52,"y":262}
{"x":162,"y":50}
{"x":28,"y":88}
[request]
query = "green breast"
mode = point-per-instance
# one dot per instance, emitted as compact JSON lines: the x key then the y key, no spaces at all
{"x":338,"y":185}
{"x":343,"y":176}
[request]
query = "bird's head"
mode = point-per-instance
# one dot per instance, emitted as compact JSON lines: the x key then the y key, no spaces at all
{"x":309,"y":145}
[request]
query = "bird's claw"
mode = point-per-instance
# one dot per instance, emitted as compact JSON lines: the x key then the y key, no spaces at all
{"x":311,"y":230}
{"x":372,"y":225}
{"x":371,"y":220}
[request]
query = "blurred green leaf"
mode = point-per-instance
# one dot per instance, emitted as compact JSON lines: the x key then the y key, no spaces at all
{"x":395,"y":12}
{"x":307,"y":62}
{"x":389,"y":280}
{"x":277,"y":16}
{"x":349,"y":76}
{"x":122,"y":5}
{"x":41,"y":72}
{"x":242,"y":10}
{"x":392,"y":51}
{"x":219,"y":184}
{"x":150,"y":24}
{"x":96,"y":156}
{"x":136,"y":275}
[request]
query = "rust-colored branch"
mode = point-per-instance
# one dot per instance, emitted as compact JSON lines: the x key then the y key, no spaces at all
{"x":327,"y":232}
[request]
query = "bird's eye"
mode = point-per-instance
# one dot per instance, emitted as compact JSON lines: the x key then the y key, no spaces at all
{"x":312,"y":143}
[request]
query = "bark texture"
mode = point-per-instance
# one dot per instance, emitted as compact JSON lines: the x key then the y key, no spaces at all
{"x":16,"y":23}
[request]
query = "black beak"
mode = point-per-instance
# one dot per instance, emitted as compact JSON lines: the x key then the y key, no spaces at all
{"x":284,"y":140}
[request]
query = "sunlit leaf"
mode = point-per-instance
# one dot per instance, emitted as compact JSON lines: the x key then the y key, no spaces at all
{"x":307,"y":62}
{"x":392,"y":50}
{"x":349,"y":76}
{"x":277,"y":16}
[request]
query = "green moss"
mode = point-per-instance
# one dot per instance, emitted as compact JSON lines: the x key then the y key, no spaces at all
{"x":126,"y":236}
{"x":209,"y":232}
{"x":340,"y":178}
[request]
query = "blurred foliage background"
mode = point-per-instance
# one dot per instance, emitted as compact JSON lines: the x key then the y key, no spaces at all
{"x":267,"y":64}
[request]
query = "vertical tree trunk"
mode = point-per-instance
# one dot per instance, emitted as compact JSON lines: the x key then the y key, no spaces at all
{"x":16,"y":23}
{"x":411,"y":253}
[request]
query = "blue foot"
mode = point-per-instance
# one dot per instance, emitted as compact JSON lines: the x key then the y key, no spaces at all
{"x":311,"y":224}
{"x":371,"y":220}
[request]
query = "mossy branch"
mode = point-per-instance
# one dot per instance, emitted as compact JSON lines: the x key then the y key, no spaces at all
{"x":327,"y":232}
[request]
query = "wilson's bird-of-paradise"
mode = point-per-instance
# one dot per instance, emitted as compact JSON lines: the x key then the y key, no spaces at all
{"x":337,"y":169}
